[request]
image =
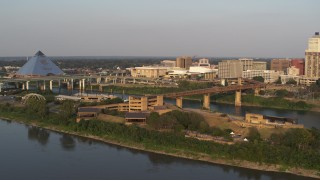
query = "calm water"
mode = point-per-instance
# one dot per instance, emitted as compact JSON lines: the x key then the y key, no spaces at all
{"x":31,"y":153}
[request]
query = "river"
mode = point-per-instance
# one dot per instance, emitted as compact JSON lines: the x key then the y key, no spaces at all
{"x":28,"y":152}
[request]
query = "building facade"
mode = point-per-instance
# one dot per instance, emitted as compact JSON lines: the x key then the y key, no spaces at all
{"x":184,"y":62}
{"x":259,"y":65}
{"x":312,"y":57}
{"x":298,"y":63}
{"x":280,"y":64}
{"x":230,"y":69}
{"x":149,"y":71}
{"x":247,"y":64}
{"x":269,"y":76}
{"x":168,"y":63}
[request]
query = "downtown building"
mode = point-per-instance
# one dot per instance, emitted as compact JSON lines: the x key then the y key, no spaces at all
{"x":312,"y":57}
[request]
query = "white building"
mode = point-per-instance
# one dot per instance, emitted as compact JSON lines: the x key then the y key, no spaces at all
{"x":312,"y":57}
{"x":269,"y":76}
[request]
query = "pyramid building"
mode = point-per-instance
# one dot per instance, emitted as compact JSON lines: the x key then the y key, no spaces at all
{"x":39,"y":65}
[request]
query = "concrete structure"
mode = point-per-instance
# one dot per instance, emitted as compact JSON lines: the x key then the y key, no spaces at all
{"x":247,"y":64}
{"x":204,"y":63}
{"x":298,"y":63}
{"x":184,"y":62}
{"x":144,"y":103}
{"x":230,"y":69}
{"x":287,"y":78}
{"x":312,"y":57}
{"x":136,"y":117}
{"x":39,"y":65}
{"x":87,"y":113}
{"x":269,"y":76}
{"x":149,"y":71}
{"x":273,"y":121}
{"x":293,"y":71}
{"x":259,"y":65}
{"x":168,"y":63}
{"x":280,"y":64}
{"x":307,"y":81}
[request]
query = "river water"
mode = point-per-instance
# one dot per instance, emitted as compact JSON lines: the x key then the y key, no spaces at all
{"x":32,"y":153}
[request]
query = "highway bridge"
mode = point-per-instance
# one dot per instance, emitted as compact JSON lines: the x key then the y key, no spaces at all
{"x":243,"y":84}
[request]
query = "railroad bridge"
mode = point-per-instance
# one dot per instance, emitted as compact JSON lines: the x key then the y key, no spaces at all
{"x":242,"y":84}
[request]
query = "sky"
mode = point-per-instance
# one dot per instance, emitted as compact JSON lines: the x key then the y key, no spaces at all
{"x":215,"y":28}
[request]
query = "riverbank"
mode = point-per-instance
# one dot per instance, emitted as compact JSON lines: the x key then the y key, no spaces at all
{"x":176,"y":152}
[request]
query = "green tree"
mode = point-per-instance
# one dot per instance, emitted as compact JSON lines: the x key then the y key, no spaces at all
{"x":278,"y":81}
{"x":254,"y":135}
{"x":258,"y":78}
{"x":67,"y":109}
{"x":37,"y":106}
{"x":291,"y":81}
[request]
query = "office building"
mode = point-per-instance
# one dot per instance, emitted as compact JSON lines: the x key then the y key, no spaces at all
{"x":259,"y":65}
{"x":168,"y":63}
{"x":184,"y":62}
{"x":246,"y":64}
{"x":298,"y":63}
{"x":269,"y":76}
{"x":312,"y":57}
{"x":280,"y":64}
{"x":149,"y":71}
{"x":230,"y":69}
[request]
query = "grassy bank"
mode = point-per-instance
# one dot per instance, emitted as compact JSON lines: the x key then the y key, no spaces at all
{"x":255,"y":155}
{"x":271,"y":102}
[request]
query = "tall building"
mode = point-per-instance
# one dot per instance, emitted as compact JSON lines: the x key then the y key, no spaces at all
{"x":280,"y":64}
{"x":246,"y":63}
{"x":259,"y":65}
{"x":230,"y":69}
{"x":184,"y":62}
{"x":312,"y":56}
{"x":298,"y":63}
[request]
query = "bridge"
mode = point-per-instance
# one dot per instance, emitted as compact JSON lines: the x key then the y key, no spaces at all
{"x":242,"y":84}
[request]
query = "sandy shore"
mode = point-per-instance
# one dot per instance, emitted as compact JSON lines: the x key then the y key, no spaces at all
{"x":181,"y":154}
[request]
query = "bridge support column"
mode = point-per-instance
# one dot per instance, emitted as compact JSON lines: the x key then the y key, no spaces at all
{"x":80,"y":86}
{"x":23,"y":87}
{"x":206,"y":101}
{"x":238,"y":98}
{"x":100,"y":88}
{"x":50,"y":85}
{"x":71,"y":84}
{"x":159,"y":100}
{"x":1,"y":87}
{"x":179,"y":102}
{"x":59,"y":86}
{"x":83,"y":85}
{"x":27,"y":85}
{"x":44,"y":85}
{"x":239,"y":81}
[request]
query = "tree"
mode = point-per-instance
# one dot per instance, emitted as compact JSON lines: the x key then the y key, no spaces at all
{"x":292,"y":81}
{"x":278,"y":81}
{"x":67,"y":109}
{"x":281,"y":93}
{"x":298,"y":138}
{"x":254,"y":135}
{"x":258,"y":78}
{"x":37,"y":106}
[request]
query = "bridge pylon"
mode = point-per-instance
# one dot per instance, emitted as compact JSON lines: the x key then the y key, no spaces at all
{"x":206,"y":101}
{"x":179,"y":101}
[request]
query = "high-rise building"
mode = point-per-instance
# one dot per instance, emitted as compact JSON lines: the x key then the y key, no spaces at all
{"x":312,"y":56}
{"x":246,"y":63}
{"x":280,"y":64}
{"x":259,"y":65}
{"x":230,"y":69}
{"x":184,"y":62}
{"x":298,"y":63}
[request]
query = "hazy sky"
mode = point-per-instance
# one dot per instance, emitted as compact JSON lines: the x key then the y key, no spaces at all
{"x":247,"y":28}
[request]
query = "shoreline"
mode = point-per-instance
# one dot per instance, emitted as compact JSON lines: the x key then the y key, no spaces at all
{"x":181,"y":154}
